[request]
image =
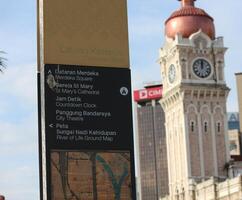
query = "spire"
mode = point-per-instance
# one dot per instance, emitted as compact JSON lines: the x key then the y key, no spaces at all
{"x":187,"y":2}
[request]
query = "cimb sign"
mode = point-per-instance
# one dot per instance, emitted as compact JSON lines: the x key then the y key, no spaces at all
{"x":148,"y":94}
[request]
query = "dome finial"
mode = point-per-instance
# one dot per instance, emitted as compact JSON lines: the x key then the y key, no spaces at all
{"x":188,"y":20}
{"x":187,"y":2}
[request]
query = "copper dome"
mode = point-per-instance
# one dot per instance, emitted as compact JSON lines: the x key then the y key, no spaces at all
{"x":188,"y":20}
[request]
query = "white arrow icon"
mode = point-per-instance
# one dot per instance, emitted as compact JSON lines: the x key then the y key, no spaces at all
{"x":51,"y":125}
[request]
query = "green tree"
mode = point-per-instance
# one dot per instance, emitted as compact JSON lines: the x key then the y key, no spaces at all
{"x":2,"y":62}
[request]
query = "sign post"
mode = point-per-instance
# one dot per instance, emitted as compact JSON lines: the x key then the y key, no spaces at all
{"x":85,"y":127}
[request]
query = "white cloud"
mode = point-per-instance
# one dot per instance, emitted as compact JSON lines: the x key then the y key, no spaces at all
{"x":20,"y":83}
{"x":145,"y":27}
{"x":19,"y":159}
{"x":142,"y":75}
{"x":18,"y":138}
{"x":19,"y":183}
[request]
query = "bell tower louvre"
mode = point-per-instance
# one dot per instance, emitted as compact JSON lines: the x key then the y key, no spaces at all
{"x":194,"y":100}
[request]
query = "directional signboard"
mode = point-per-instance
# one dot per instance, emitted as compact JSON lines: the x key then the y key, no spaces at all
{"x":86,"y":118}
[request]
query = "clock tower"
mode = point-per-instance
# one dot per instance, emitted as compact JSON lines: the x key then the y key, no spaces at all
{"x":194,"y":100}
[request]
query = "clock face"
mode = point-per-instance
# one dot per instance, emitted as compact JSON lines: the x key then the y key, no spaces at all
{"x":202,"y":68}
{"x":172,"y":73}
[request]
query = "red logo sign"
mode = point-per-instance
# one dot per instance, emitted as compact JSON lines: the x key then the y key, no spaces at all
{"x":148,"y":94}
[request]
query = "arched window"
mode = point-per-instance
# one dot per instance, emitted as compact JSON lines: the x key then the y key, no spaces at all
{"x":205,"y":127}
{"x":192,"y":126}
{"x":218,"y":127}
{"x":177,"y":194}
{"x":183,"y":193}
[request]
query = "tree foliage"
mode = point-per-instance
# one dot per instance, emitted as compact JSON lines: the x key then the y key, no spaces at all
{"x":2,"y":62}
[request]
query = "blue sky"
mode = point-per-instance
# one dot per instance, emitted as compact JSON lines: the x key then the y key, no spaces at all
{"x":18,"y":113}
